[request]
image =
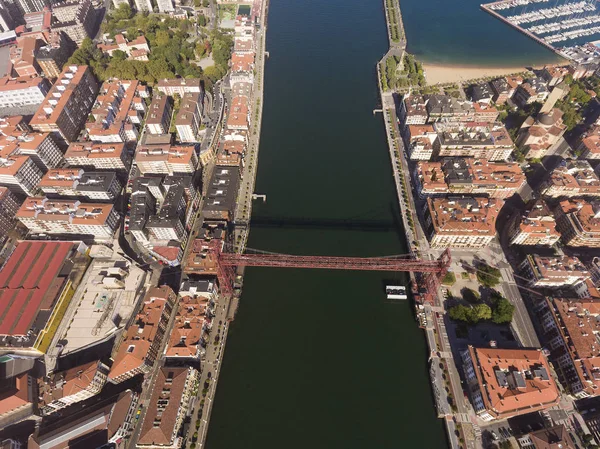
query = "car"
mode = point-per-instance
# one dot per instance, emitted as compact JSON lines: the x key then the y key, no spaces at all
{"x":495,"y":436}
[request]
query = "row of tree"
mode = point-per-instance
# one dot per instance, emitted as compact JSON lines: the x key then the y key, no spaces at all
{"x":500,"y":311}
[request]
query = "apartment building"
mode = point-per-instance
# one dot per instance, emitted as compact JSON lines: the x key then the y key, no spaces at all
{"x":22,"y":57}
{"x":44,"y":216}
{"x":219,"y":203}
{"x":23,"y":91}
{"x":445,"y":107}
{"x":165,"y":6}
{"x":469,"y":176}
{"x":19,"y":173}
{"x":71,"y":183}
{"x":570,"y":330}
{"x":74,"y":18}
{"x":489,"y":141}
{"x":189,"y":117}
{"x":171,"y":399}
{"x":142,"y":5}
{"x":589,"y":147}
{"x":66,"y":107}
{"x":554,"y":75}
{"x":503,"y":383}
{"x":572,"y":179}
{"x":117,"y":112}
{"x":578,"y":222}
{"x":538,"y":134}
{"x":239,"y":114}
{"x":536,"y":227}
{"x":482,"y":93}
{"x":242,"y":63}
{"x":461,"y":222}
{"x":504,"y":88}
{"x":159,"y":114}
{"x":61,"y":389}
{"x":180,"y":86}
{"x":168,"y":224}
{"x":9,"y":205}
{"x":54,"y":55}
{"x":420,"y":142}
{"x":42,"y":149}
{"x":554,"y":271}
{"x":167,"y":160}
{"x":189,"y":336}
{"x":98,"y":156}
{"x":530,"y":91}
{"x":413,"y":110}
{"x":141,"y":343}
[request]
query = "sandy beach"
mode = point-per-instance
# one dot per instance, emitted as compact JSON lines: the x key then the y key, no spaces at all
{"x":435,"y":74}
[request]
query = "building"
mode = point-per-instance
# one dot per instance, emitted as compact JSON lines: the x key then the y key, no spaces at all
{"x":420,"y":141}
{"x":159,"y":114}
{"x":189,"y":117}
{"x":117,"y":112}
{"x":189,"y":336}
{"x":239,"y":114}
{"x":143,"y":5}
{"x":554,"y":75}
{"x":36,"y":289}
{"x":40,"y":147}
{"x":167,"y":408}
{"x":461,"y":222}
{"x":413,"y":110}
{"x":17,"y":403}
{"x":570,"y":328}
{"x":142,"y":341}
{"x":24,"y":91}
{"x":445,"y":107}
{"x":589,"y":145}
{"x":61,"y":389}
{"x":555,"y":437}
{"x":98,"y":156}
{"x":169,"y":160}
{"x":554,"y":271}
{"x":531,"y":91}
{"x":180,"y":86}
{"x":469,"y":176}
{"x":9,"y":205}
{"x":22,"y":57}
{"x":219,"y":203}
{"x":489,"y":141}
{"x":242,"y":63}
{"x":165,"y":6}
{"x":536,"y":227}
{"x":72,"y":183}
{"x":578,"y":222}
{"x":29,"y":6}
{"x":537,"y":135}
{"x":137,"y":49}
{"x":68,"y":217}
{"x":572,"y":179}
{"x":168,"y":224}
{"x":54,"y":55}
{"x":67,"y":105}
{"x":482,"y":93}
{"x":18,"y":173}
{"x":501,"y":90}
{"x":504,"y":383}
{"x":98,"y":424}
{"x":74,"y":18}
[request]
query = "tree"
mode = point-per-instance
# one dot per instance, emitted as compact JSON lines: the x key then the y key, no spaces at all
{"x":202,"y":20}
{"x":470,"y":295}
{"x":481,"y":312}
{"x":162,"y":38}
{"x":119,"y":55}
{"x":200,"y":50}
{"x":213,"y":73}
{"x":123,"y":12}
{"x":459,"y":313}
{"x":488,"y":276}
{"x":502,"y":309}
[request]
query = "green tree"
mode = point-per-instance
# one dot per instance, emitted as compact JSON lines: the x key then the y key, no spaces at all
{"x":202,"y":20}
{"x":123,"y":12}
{"x":481,"y":312}
{"x":118,"y":56}
{"x":488,"y":276}
{"x":213,"y":73}
{"x":459,"y":313}
{"x":502,"y":309}
{"x":162,"y":38}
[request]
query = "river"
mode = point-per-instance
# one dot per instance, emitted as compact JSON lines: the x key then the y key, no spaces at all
{"x":318,"y":358}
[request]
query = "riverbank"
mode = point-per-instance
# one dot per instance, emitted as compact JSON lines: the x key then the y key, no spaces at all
{"x":441,"y":74}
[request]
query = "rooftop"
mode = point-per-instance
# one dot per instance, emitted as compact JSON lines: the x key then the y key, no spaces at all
{"x":514,"y":381}
{"x":464,"y":215}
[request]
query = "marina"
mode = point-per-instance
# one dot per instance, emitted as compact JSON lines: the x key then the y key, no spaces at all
{"x":572,"y":23}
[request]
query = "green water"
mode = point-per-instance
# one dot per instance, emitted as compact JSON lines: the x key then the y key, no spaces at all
{"x":317,"y":359}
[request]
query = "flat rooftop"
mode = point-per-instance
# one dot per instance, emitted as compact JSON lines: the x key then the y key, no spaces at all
{"x":103,"y":303}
